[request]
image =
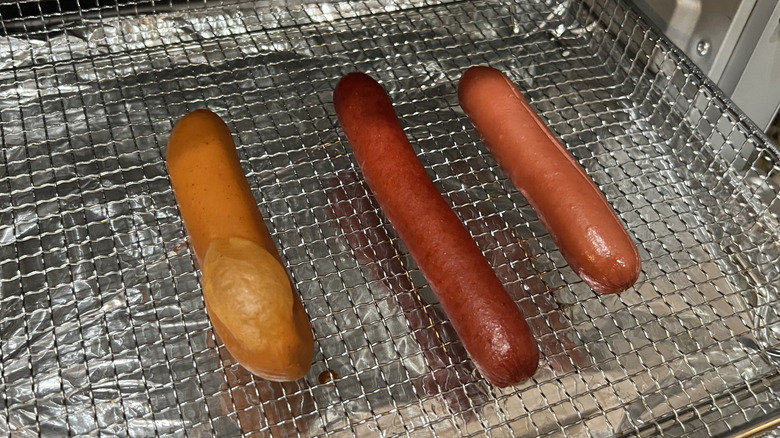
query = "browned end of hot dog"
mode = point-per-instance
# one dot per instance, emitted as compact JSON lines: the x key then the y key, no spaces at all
{"x":486,"y":319}
{"x":582,"y":223}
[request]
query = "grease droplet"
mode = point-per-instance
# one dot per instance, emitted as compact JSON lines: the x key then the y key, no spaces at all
{"x":327,"y":376}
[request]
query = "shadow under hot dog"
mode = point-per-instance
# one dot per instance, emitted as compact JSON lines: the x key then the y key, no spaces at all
{"x":260,"y":407}
{"x":513,"y":264}
{"x":353,"y":207}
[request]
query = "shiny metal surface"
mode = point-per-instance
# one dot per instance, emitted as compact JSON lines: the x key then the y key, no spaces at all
{"x":102,"y":321}
{"x":757,"y":89}
{"x":696,"y":24}
{"x":734,"y":42}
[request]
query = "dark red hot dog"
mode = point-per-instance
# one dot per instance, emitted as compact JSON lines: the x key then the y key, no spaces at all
{"x":488,"y":322}
{"x":582,"y":223}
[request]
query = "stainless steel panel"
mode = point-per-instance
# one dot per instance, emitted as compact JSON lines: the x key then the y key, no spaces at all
{"x":707,"y":31}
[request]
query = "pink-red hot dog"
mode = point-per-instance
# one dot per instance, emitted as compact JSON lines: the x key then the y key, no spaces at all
{"x":488,"y":322}
{"x":582,"y":223}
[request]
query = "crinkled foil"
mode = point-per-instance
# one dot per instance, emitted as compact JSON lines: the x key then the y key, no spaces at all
{"x":102,"y":320}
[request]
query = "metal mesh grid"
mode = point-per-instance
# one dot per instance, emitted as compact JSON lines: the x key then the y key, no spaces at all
{"x":102,"y":321}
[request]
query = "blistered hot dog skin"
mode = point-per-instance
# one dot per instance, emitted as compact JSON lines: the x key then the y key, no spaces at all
{"x":488,"y":322}
{"x":249,"y":296}
{"x":579,"y":218}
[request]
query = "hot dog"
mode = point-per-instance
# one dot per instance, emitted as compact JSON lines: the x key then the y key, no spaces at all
{"x":582,"y":223}
{"x":249,"y":296}
{"x":488,"y":322}
{"x":449,"y":372}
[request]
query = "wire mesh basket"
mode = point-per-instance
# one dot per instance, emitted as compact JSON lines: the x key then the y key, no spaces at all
{"x":102,"y":320}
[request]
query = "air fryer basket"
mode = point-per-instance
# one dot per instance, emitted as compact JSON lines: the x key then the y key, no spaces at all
{"x":102,"y":323}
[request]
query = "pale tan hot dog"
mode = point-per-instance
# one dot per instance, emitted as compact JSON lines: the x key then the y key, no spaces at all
{"x":249,"y":296}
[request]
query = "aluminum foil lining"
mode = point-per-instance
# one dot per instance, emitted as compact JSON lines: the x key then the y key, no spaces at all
{"x":103,"y":329}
